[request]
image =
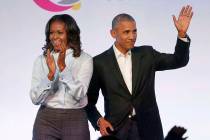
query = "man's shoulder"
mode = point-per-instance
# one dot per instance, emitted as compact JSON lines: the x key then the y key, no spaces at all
{"x":143,"y":48}
{"x":111,"y":51}
{"x":103,"y":55}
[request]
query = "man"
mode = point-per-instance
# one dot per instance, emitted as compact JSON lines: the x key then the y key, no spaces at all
{"x":125,"y":74}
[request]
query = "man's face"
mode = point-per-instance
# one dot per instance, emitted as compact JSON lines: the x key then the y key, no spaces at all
{"x":125,"y":34}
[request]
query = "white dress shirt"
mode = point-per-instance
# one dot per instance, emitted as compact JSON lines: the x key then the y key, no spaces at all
{"x":69,"y":87}
{"x":125,"y":63}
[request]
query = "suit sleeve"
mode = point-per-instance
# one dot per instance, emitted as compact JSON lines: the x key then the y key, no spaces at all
{"x":93,"y":94}
{"x":179,"y":59}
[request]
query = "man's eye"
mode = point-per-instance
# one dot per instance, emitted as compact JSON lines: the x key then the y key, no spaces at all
{"x":126,"y":32}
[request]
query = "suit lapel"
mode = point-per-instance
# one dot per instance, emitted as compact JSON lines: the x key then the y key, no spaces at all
{"x":116,"y":69}
{"x":136,"y":61}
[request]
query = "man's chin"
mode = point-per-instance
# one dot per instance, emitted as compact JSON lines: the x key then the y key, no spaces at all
{"x":131,"y":47}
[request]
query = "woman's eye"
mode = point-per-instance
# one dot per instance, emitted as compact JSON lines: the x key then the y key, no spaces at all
{"x":60,"y":32}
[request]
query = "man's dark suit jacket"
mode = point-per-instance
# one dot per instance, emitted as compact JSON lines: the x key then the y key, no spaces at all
{"x":118,"y":102}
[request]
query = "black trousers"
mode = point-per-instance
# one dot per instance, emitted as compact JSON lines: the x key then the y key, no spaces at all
{"x":61,"y":124}
{"x":128,"y":131}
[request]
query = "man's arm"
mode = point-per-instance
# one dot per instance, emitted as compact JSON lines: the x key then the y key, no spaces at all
{"x":181,"y":55}
{"x":93,"y":93}
{"x":179,"y":59}
{"x":93,"y":114}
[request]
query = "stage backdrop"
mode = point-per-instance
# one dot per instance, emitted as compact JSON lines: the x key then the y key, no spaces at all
{"x":183,"y":95}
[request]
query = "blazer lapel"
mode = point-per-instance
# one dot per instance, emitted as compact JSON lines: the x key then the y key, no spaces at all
{"x":136,"y":61}
{"x":116,"y":69}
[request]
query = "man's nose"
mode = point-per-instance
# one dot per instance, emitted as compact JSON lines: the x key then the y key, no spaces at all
{"x":132,"y":36}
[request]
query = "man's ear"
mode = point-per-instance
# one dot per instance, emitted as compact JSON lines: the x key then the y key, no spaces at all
{"x":113,"y":33}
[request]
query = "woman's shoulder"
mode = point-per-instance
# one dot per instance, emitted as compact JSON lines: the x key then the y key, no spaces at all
{"x":85,"y":55}
{"x":39,"y":58}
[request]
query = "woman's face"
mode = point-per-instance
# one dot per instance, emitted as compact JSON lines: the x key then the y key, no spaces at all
{"x":58,"y":35}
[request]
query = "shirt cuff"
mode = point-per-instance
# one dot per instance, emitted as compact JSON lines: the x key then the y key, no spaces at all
{"x":46,"y":84}
{"x":185,"y":39}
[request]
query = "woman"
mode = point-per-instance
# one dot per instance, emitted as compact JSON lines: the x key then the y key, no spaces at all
{"x":60,"y":79}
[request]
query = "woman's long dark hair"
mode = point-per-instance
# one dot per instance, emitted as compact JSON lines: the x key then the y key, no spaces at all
{"x":72,"y":30}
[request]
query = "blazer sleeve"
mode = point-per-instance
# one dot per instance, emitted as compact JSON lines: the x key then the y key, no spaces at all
{"x":179,"y":59}
{"x":93,"y":94}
